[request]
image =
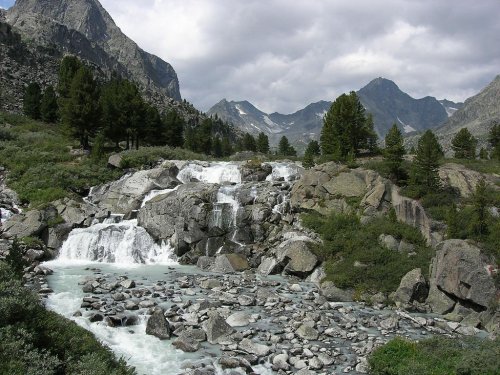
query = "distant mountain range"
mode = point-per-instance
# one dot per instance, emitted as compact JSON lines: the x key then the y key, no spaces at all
{"x":381,"y":97}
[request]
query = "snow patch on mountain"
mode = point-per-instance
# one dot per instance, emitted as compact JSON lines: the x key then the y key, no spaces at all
{"x":407,"y":128}
{"x":241,"y":112}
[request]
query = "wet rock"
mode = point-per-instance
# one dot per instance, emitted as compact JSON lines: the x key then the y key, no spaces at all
{"x":186,"y":344}
{"x":216,"y":328}
{"x":334,"y":294}
{"x":260,"y":350}
{"x":158,"y":325}
{"x":306,"y":332}
{"x":298,"y":257}
{"x":229,"y":263}
{"x":96,"y":317}
{"x":128,"y":284}
{"x":205,"y":262}
{"x":24,"y":225}
{"x":390,"y":324}
{"x":210,"y":284}
{"x":131,"y":305}
{"x":280,"y":362}
{"x":239,"y":319}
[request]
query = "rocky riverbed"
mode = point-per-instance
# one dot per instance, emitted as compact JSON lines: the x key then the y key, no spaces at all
{"x":193,"y":322}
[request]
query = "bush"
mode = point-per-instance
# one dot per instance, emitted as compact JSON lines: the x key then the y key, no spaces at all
{"x":347,"y":242}
{"x":148,"y":156}
{"x":437,"y":356}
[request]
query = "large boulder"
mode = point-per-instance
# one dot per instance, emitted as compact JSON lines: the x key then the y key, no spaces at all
{"x":216,"y":328}
{"x":28,"y":224}
{"x":296,"y":256}
{"x":158,"y":325}
{"x":411,"y":288}
{"x":182,"y":215}
{"x":346,"y":184}
{"x":462,"y":271}
{"x":411,"y":212}
{"x":335,"y":294}
{"x":230,"y":263}
{"x":462,"y":179}
{"x":76,"y":213}
{"x":127,"y":194}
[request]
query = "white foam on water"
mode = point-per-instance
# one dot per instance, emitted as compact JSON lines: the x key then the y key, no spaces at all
{"x":283,"y":171}
{"x":215,"y":173}
{"x":154,"y":193}
{"x":5,"y":215}
{"x":227,"y":194}
{"x":123,"y":242}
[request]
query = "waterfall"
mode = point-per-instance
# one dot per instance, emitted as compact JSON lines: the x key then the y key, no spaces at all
{"x":4,"y":215}
{"x":283,"y":171}
{"x":214,"y":173}
{"x":154,"y":193}
{"x":122,"y":242}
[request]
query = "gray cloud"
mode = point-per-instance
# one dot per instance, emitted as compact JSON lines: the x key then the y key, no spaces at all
{"x":282,"y":55}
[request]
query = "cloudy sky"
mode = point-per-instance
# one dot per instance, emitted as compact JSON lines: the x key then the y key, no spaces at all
{"x":282,"y":55}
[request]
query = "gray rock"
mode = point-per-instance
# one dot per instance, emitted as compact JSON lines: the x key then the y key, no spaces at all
{"x":411,"y":288}
{"x":128,"y":284}
{"x":260,"y":350}
{"x":229,"y":263}
{"x":439,"y":302}
{"x":246,"y":300}
{"x":346,"y":184}
{"x":280,"y":361}
{"x":238,"y":319}
{"x":299,"y":259}
{"x":24,"y":225}
{"x":461,"y":270}
{"x":194,"y":334}
{"x":307,"y":332}
{"x":186,"y":344}
{"x":158,"y":325}
{"x":216,"y":328}
{"x":334,"y":294}
{"x":389,"y":242}
{"x":390,"y":324}
{"x":210,"y":284}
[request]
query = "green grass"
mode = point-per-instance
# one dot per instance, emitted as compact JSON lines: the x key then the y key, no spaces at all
{"x":41,"y":167}
{"x":489,"y":166}
{"x":437,"y":356}
{"x":346,"y":241}
{"x":36,"y":341}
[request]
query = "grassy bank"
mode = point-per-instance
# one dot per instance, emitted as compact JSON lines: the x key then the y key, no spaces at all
{"x":437,"y":356}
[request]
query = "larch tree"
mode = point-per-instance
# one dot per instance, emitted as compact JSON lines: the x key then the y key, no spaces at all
{"x":464,"y":144}
{"x":394,"y":150}
{"x":425,"y":166}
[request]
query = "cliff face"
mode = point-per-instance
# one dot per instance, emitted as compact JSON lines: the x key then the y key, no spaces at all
{"x":85,"y":29}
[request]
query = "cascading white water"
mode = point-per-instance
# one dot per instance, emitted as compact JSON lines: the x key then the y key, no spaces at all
{"x":215,"y":173}
{"x":122,"y":242}
{"x":285,"y":171}
{"x":154,"y":193}
{"x":4,"y":215}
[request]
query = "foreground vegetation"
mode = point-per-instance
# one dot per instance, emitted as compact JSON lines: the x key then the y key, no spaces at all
{"x":354,"y":256}
{"x":36,"y":341}
{"x":437,"y":356}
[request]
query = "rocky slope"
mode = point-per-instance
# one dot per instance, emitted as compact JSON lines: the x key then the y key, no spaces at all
{"x":58,"y":22}
{"x":478,"y":114}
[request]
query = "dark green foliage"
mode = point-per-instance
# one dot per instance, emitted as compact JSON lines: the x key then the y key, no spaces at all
{"x":483,"y":154}
{"x":67,"y":71}
{"x":285,"y":148}
{"x":173,"y":129}
{"x":80,"y":112}
{"x":31,"y":100}
{"x":249,"y":143}
{"x":437,"y":356}
{"x":394,"y":151}
{"x":480,"y":201}
{"x":494,"y":140}
{"x":437,"y":203}
{"x":464,"y":144}
{"x":217,"y":148}
{"x":346,"y":241}
{"x":424,"y":173}
{"x":98,"y":147}
{"x":36,"y":341}
{"x":15,"y":259}
{"x":48,"y":107}
{"x":227,"y":149}
{"x":313,"y":150}
{"x":346,"y":128}
{"x":262,"y":143}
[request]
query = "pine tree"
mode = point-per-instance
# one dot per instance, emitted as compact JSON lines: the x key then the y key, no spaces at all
{"x":262,"y":143}
{"x":494,"y":140}
{"x":283,"y":146}
{"x":217,"y":147}
{"x":227,"y":149}
{"x":480,"y":200}
{"x":67,"y":70}
{"x":48,"y":107}
{"x":15,"y":258}
{"x":483,"y":154}
{"x":32,"y":100}
{"x":249,"y":143}
{"x":174,"y":129}
{"x":426,"y":163}
{"x":464,"y":144}
{"x":394,"y":150}
{"x":346,"y":127}
{"x":81,"y":110}
{"x":312,"y":150}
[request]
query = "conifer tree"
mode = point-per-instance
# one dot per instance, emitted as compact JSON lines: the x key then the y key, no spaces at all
{"x":346,"y":128}
{"x":174,"y":129}
{"x":426,"y":163}
{"x":48,"y":106}
{"x":464,"y":144}
{"x":263,"y":143}
{"x":249,"y":143}
{"x":217,"y":147}
{"x":494,"y":140}
{"x":67,"y":70}
{"x":81,"y":110}
{"x":394,"y":150}
{"x":227,"y":149}
{"x":311,"y":152}
{"x":480,"y":202}
{"x":32,"y":100}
